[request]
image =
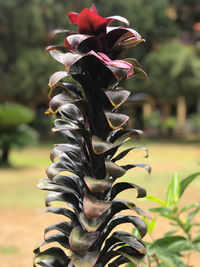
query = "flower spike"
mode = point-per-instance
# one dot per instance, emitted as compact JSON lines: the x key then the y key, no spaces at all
{"x":85,"y":169}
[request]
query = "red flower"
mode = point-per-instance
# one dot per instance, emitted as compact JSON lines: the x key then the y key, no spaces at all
{"x":89,"y":22}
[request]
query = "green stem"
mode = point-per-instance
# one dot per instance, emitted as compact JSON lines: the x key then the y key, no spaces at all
{"x":156,"y":258}
{"x":183,"y":227}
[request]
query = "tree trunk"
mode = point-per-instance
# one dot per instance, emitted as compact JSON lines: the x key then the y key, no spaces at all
{"x":5,"y":155}
{"x":181,"y":114}
{"x":166,"y":110}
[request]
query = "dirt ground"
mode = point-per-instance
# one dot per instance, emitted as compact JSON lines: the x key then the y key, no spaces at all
{"x":22,"y":230}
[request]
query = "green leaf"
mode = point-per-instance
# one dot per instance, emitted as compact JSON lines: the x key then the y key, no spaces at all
{"x":173,"y":191}
{"x":197,"y":238}
{"x":164,"y":212}
{"x":135,"y":232}
{"x":171,"y":261}
{"x":133,"y":61}
{"x":193,"y":213}
{"x":130,"y":264}
{"x":176,"y":247}
{"x":185,"y":182}
{"x":171,"y":245}
{"x":155,"y":199}
{"x":150,"y":224}
{"x":170,"y":233}
{"x":139,"y":73}
{"x":188,"y":206}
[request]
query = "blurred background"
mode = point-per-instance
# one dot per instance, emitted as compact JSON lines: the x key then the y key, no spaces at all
{"x":166,"y":106}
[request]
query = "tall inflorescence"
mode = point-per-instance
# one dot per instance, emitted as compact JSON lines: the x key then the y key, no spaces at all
{"x":87,"y":117}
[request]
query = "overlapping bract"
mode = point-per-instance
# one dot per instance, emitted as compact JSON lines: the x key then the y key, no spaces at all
{"x":87,"y":118}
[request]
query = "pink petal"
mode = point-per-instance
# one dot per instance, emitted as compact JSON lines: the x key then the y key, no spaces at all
{"x":73,"y":17}
{"x":104,"y":57}
{"x":121,"y":64}
{"x":115,"y":63}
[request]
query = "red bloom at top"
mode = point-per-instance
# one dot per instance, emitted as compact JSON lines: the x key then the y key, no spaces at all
{"x":89,"y":22}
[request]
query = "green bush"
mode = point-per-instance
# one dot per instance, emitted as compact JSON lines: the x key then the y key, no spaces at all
{"x":178,"y":243}
{"x":12,"y":115}
{"x":193,"y":123}
{"x":153,"y":121}
{"x":14,"y":131}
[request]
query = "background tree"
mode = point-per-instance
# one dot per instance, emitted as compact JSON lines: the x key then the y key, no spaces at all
{"x":14,"y":131}
{"x":176,"y":68}
{"x":25,"y":25}
{"x":24,"y":35}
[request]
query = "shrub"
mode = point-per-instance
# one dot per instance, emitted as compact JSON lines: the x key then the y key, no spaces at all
{"x":14,"y":131}
{"x":177,"y":245}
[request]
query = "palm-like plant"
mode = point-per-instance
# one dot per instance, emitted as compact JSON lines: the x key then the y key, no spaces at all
{"x":94,"y":131}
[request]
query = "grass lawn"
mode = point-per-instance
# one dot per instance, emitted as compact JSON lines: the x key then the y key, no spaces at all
{"x":18,"y":184}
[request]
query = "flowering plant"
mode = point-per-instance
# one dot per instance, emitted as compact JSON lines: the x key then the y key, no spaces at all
{"x":87,"y":116}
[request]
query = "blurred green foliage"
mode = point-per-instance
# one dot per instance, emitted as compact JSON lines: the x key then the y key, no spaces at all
{"x":14,"y":129}
{"x":25,"y":24}
{"x":193,"y":122}
{"x":12,"y":115}
{"x":177,"y":245}
{"x":169,"y":55}
{"x":25,"y":67}
{"x":176,"y":68}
